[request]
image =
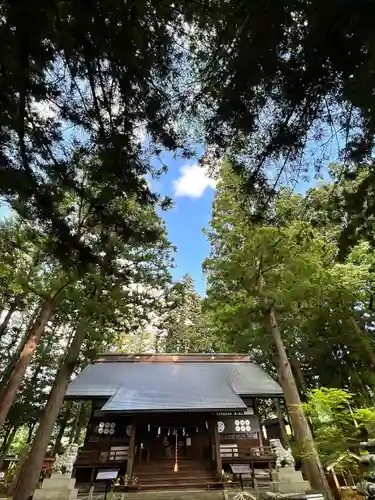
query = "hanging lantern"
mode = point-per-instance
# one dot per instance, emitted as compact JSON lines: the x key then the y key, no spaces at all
{"x":169,"y":431}
{"x":149,"y":427}
{"x":183,"y":431}
{"x":159,"y":431}
{"x":196,"y":429}
{"x":206,"y":424}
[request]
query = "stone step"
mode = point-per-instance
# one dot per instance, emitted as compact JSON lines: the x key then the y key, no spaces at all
{"x":171,"y":467}
{"x":176,"y":475}
{"x":184,"y":480}
{"x":188,"y":494}
{"x":184,"y":485}
{"x":290,"y":487}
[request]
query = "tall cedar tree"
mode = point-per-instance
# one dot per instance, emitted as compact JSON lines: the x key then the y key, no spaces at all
{"x":119,"y":224}
{"x":138,"y":262}
{"x":279,"y":275}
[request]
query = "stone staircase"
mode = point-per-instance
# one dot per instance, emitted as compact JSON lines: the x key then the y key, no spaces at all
{"x":181,"y":494}
{"x":159,"y":474}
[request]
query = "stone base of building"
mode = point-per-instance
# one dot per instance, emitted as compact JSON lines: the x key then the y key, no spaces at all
{"x":57,"y":487}
{"x":288,"y":480}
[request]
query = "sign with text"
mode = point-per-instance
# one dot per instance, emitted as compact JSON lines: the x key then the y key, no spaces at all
{"x":107,"y":474}
{"x":240,"y":468}
{"x":229,"y":413}
{"x":236,"y":437}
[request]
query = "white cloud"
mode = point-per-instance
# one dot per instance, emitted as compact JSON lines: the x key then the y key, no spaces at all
{"x":193,"y":181}
{"x":44,"y":109}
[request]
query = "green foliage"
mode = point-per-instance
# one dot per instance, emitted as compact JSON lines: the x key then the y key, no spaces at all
{"x":19,"y":442}
{"x":304,"y":101}
{"x":182,"y":326}
{"x":141,"y":342}
{"x":337,"y":427}
{"x":324,"y":404}
{"x":111,"y":295}
{"x":320,"y":303}
{"x":78,"y":81}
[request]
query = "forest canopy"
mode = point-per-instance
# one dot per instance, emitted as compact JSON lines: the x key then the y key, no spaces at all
{"x":91,"y":98}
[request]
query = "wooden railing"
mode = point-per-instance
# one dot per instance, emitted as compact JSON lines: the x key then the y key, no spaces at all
{"x":230,"y":452}
{"x":87,"y":457}
{"x":114,"y":454}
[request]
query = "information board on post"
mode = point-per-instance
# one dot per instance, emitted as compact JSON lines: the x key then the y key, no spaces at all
{"x":240,"y":468}
{"x":106,"y":475}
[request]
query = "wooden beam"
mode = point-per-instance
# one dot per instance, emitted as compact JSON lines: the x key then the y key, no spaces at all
{"x":171,"y":358}
{"x":129,"y":465}
{"x":219,"y":465}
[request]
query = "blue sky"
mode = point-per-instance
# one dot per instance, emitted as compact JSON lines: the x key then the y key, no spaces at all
{"x":192,"y":191}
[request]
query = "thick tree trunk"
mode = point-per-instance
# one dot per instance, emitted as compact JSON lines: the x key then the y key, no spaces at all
{"x":60,"y":434}
{"x":8,"y":316}
{"x":9,"y":369}
{"x":32,"y":466}
{"x":9,"y":393}
{"x":12,"y":363}
{"x":296,"y":367}
{"x":302,"y":431}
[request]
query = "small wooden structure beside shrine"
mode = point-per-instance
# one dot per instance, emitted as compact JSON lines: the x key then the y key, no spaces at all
{"x":171,"y":420}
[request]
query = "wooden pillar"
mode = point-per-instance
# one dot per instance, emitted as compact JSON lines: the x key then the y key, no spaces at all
{"x":255,"y":408}
{"x":280,"y":417}
{"x":219,"y":465}
{"x":129,"y":466}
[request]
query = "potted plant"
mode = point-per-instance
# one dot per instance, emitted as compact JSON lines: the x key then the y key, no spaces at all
{"x":131,"y":482}
{"x":226,"y":478}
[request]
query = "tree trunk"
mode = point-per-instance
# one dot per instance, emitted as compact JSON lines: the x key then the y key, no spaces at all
{"x":9,"y":393}
{"x":76,"y":427}
{"x":60,"y":434}
{"x":296,"y":367}
{"x":12,"y":363}
{"x":9,"y":369}
{"x":17,"y":474}
{"x":280,"y":418}
{"x":368,"y":348}
{"x":302,"y":431}
{"x":7,"y":444}
{"x":32,"y":466}
{"x":9,"y":314}
{"x":30,"y":430}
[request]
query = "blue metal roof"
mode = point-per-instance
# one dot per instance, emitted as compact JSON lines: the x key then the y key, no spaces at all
{"x":176,"y":386}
